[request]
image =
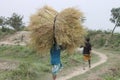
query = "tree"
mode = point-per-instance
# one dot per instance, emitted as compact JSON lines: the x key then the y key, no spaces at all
{"x":15,"y":21}
{"x":115,"y":12}
{"x":2,"y":23}
{"x":2,"y":19}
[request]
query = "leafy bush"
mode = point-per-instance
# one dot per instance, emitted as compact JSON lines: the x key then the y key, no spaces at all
{"x":99,"y":38}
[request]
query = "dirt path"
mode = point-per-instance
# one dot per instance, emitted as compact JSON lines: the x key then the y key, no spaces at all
{"x":8,"y":65}
{"x":78,"y":71}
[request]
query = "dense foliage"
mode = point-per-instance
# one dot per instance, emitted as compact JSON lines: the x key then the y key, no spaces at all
{"x":101,"y":38}
{"x":14,"y":22}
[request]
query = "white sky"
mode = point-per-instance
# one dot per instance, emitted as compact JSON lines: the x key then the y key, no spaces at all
{"x":97,"y":12}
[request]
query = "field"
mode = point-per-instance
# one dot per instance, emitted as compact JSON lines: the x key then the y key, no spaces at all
{"x":107,"y":71}
{"x":32,"y":66}
{"x":22,"y":63}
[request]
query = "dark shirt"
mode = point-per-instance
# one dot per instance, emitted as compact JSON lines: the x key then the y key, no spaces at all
{"x":87,"y":48}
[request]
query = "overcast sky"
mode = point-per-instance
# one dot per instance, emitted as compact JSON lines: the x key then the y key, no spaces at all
{"x":97,"y":12}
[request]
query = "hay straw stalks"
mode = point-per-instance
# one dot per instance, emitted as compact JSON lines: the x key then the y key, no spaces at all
{"x":69,"y":30}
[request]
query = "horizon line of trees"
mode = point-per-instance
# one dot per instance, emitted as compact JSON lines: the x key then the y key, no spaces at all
{"x":15,"y":22}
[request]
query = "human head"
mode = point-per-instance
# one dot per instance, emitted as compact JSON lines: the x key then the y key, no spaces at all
{"x":87,"y":39}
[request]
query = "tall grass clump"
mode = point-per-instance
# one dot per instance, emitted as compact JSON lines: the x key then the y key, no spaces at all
{"x":25,"y":71}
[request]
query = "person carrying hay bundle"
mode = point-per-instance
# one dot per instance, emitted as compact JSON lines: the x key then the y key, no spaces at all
{"x":55,"y":52}
{"x":87,"y":53}
{"x":49,"y":32}
{"x":55,"y":60}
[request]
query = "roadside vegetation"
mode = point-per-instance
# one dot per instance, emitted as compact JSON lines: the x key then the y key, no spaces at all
{"x":101,"y":39}
{"x":111,"y":45}
{"x":111,"y":69}
{"x":32,"y":66}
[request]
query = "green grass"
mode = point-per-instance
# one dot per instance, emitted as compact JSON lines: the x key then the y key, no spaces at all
{"x":99,"y":39}
{"x":113,"y":72}
{"x":107,"y":71}
{"x":32,"y":66}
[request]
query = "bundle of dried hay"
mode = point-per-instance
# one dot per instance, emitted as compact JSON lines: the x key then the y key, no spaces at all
{"x":69,"y":31}
{"x":41,"y":25}
{"x":43,"y":18}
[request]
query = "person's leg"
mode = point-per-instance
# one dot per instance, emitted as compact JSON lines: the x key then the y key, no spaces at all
{"x":54,"y":77}
{"x":55,"y":70}
{"x":84,"y":62}
{"x":89,"y":62}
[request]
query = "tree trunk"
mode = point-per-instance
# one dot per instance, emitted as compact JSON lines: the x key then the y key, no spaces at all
{"x":110,"y":37}
{"x":3,"y":29}
{"x":113,"y":30}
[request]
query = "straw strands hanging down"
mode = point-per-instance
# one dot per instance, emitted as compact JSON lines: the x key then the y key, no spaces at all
{"x":69,"y":31}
